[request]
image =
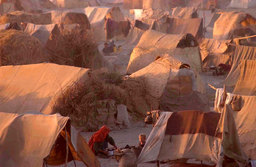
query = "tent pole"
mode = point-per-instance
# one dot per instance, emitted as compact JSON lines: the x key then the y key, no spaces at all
{"x":158,"y":163}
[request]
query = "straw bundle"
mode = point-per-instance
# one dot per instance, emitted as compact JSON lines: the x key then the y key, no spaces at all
{"x":91,"y":103}
{"x":17,"y":48}
{"x":76,"y":48}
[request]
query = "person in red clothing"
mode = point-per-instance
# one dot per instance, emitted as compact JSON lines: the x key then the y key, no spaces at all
{"x":99,"y":141}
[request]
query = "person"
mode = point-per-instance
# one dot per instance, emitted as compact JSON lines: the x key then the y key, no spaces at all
{"x":142,"y":142}
{"x":99,"y":141}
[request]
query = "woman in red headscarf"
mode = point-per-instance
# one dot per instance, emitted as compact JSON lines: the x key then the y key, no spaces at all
{"x":100,"y":139}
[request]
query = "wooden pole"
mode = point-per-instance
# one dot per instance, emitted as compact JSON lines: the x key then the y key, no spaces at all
{"x":158,"y":163}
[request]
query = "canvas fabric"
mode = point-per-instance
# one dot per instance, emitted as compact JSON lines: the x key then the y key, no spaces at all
{"x":97,"y":15}
{"x":245,"y":84}
{"x":26,"y":139}
{"x":225,"y":31}
{"x":241,"y":53}
{"x":214,"y":52}
{"x":184,"y":13}
{"x":29,"y":88}
{"x":192,"y":26}
{"x":180,"y":134}
{"x":42,"y":32}
{"x":242,"y":4}
{"x":244,"y":120}
{"x":164,"y":143}
{"x":153,"y":44}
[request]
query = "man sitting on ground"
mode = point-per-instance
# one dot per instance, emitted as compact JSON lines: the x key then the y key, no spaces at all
{"x":99,"y":141}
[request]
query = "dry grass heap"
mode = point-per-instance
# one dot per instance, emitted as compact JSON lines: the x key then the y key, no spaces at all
{"x":76,"y":48}
{"x":18,"y":48}
{"x":83,"y":102}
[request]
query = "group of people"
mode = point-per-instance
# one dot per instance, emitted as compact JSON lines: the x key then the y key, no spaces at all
{"x":100,"y":140}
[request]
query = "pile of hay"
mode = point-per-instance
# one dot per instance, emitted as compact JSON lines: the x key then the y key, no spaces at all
{"x":76,"y":48}
{"x":18,"y":48}
{"x":92,"y":103}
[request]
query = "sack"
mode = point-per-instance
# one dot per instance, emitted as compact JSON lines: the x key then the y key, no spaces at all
{"x":236,"y":103}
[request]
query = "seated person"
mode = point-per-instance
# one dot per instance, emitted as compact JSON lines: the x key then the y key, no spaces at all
{"x":142,"y":142}
{"x":99,"y":141}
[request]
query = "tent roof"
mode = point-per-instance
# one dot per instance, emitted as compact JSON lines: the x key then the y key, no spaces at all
{"x":42,"y":32}
{"x":241,"y":53}
{"x":26,"y":139}
{"x":225,"y":31}
{"x":246,"y":82}
{"x":29,"y":88}
{"x":153,"y":44}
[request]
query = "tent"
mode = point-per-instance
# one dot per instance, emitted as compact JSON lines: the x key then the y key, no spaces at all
{"x":70,"y":17}
{"x":7,"y":6}
{"x":133,"y":4}
{"x":29,"y":88}
{"x":241,"y":53}
{"x":97,"y":16}
{"x":28,"y":93}
{"x":47,"y":34}
{"x":156,"y":4}
{"x":169,"y":25}
{"x":153,"y":44}
{"x":178,"y":135}
{"x":17,"y":47}
{"x":243,"y":102}
{"x":236,"y":20}
{"x":242,"y":4}
{"x":21,"y":16}
{"x":75,"y":3}
{"x":172,"y":88}
{"x":184,"y":13}
{"x":215,"y":52}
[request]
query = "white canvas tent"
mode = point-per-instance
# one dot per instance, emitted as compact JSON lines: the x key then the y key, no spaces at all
{"x":179,"y":135}
{"x":27,"y":132}
{"x":242,"y":4}
{"x":29,"y":88}
{"x":97,"y":16}
{"x":75,"y":3}
{"x":172,"y":88}
{"x":26,"y":139}
{"x":153,"y":44}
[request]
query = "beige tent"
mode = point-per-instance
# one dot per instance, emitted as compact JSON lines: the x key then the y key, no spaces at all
{"x":133,"y":4}
{"x":34,"y":87}
{"x":97,"y":16}
{"x":242,"y":4}
{"x":7,"y":6}
{"x":172,"y":88}
{"x":20,"y":16}
{"x":75,"y":3}
{"x":184,"y":13}
{"x":70,"y":17}
{"x":215,"y":52}
{"x":236,"y":20}
{"x":241,"y":53}
{"x":179,"y":135}
{"x":45,"y":33}
{"x":243,"y":103}
{"x":25,"y":92}
{"x":169,"y":25}
{"x":26,"y":139}
{"x":153,"y":44}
